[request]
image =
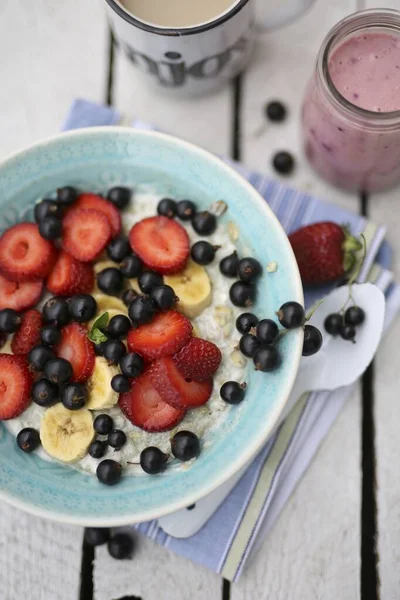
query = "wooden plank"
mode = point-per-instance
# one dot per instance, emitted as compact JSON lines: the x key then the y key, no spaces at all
{"x":153,"y":573}
{"x":52,"y":52}
{"x":282,"y":65}
{"x":39,"y":559}
{"x":313,"y":550}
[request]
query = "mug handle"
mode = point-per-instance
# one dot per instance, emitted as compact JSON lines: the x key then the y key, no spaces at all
{"x":285,"y":13}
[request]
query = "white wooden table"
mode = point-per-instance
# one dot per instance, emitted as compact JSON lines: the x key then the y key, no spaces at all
{"x":329,"y":537}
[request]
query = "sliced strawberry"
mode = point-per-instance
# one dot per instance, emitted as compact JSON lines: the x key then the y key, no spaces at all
{"x":143,"y":407}
{"x":86,"y":233}
{"x":24,"y":254}
{"x":28,"y":335}
{"x":76,"y":347}
{"x":166,"y":334}
{"x":175,"y":389}
{"x":19,"y":296}
{"x":15,"y":386}
{"x":95,"y":202}
{"x":161,"y":243}
{"x":70,"y":276}
{"x":198,"y":360}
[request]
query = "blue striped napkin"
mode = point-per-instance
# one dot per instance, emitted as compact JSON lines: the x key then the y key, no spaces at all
{"x":240,"y":524}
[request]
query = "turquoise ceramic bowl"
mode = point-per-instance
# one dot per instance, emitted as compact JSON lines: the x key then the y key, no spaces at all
{"x":98,"y":158}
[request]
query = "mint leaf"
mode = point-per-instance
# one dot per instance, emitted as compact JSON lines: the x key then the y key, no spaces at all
{"x":96,"y":335}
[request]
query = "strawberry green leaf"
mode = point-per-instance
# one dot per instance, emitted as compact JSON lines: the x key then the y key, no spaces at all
{"x":96,"y":334}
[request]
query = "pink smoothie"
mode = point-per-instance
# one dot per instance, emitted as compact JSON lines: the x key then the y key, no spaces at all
{"x":365,"y":69}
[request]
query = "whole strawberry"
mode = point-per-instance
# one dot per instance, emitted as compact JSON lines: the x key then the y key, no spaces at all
{"x":324,"y":252}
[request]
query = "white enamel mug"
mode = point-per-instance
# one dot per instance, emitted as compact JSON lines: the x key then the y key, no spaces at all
{"x":198,"y":59}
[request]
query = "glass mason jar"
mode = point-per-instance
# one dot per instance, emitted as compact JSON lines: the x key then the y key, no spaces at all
{"x":353,"y":148}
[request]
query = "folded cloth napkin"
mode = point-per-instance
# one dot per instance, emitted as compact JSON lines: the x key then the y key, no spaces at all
{"x":241,"y":523}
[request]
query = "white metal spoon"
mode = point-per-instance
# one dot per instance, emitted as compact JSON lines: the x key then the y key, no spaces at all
{"x":337,"y":364}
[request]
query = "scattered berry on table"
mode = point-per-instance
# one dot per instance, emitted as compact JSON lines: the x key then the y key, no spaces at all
{"x":333,"y":323}
{"x":203,"y":252}
{"x":324,"y":251}
{"x":175,"y":389}
{"x":15,"y":385}
{"x":163,"y":297}
{"x":113,"y":351}
{"x":204,"y":223}
{"x":118,"y":326}
{"x":103,"y":424}
{"x":70,"y":276}
{"x":161,"y":243}
{"x":144,"y":407}
{"x":148,"y":280}
{"x":348,"y":332}
{"x":120,"y":546}
{"x":118,"y":248}
{"x":131,"y":365}
{"x":249,"y":269}
{"x":50,"y":335}
{"x":39,"y":356}
{"x":47,"y":208}
{"x":245,"y":322}
{"x":109,"y":472}
{"x":131,"y":266}
{"x":96,"y":536}
{"x":283,"y":162}
{"x":86,"y":233}
{"x":185,"y":209}
{"x":229,"y":265}
{"x":354,"y":315}
{"x":110,"y":281}
{"x":267,"y":331}
{"x":97,"y":449}
{"x":50,"y":228}
{"x":45,"y":393}
{"x":28,"y":335}
{"x":167,"y":208}
{"x":185,"y":445}
{"x":147,"y":341}
{"x":120,"y":196}
{"x":198,"y":359}
{"x":55,"y":311}
{"x":248,"y":345}
{"x":76,"y":347}
{"x":141,"y":310}
{"x":66,"y":195}
{"x":153,"y":460}
{"x":24,"y":254}
{"x":120,"y":383}
{"x":275,"y":111}
{"x":233,"y":392}
{"x":74,"y":396}
{"x":28,"y":439}
{"x":116,"y":439}
{"x":266,"y":358}
{"x":242,"y":293}
{"x":128,"y":296}
{"x":10,"y":320}
{"x":291,"y":315}
{"x":312,"y":340}
{"x":58,"y":370}
{"x":82,"y":307}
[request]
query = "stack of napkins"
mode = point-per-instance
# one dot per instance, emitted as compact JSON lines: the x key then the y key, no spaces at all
{"x":242,"y":522}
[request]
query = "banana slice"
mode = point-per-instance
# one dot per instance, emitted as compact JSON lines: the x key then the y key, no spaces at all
{"x":6,"y":349}
{"x":134,"y":284}
{"x":66,"y":434}
{"x":108,"y":303}
{"x":101,"y":394}
{"x":193,"y":288}
{"x":104,"y":264}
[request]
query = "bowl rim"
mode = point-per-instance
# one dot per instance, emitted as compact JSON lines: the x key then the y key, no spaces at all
{"x":254,"y":445}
